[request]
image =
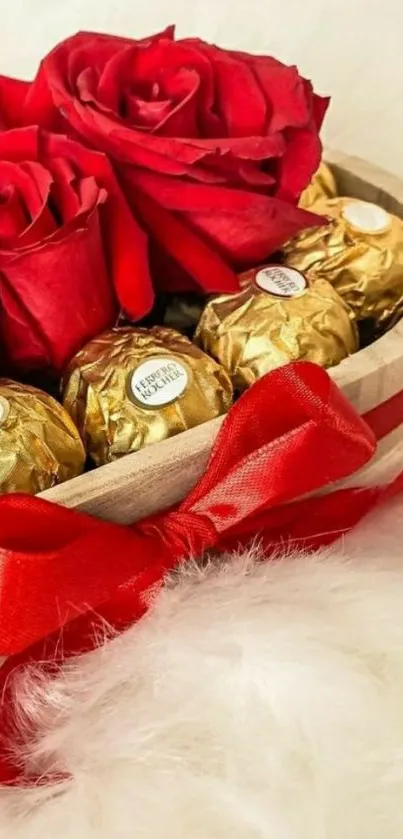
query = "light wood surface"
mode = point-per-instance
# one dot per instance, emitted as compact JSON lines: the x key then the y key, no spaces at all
{"x":161,"y":475}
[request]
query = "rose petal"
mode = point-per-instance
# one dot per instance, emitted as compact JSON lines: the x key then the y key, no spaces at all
{"x":89,"y":194}
{"x":19,"y":144}
{"x":248,"y":238}
{"x":44,"y":224}
{"x":48,"y":92}
{"x":168,"y":155}
{"x":64,"y":193}
{"x":189,"y":196}
{"x":181,"y":119}
{"x":144,"y":115}
{"x":32,"y":182}
{"x":318,"y":105}
{"x":202,"y":263}
{"x":73,"y":193}
{"x":33,"y":191}
{"x":299,"y":163}
{"x":115,"y":75}
{"x":99,"y":128}
{"x":175,"y":157}
{"x":164,"y":59}
{"x":23,"y":343}
{"x":86,"y":61}
{"x":86,"y":85}
{"x":253,"y":176}
{"x":304,"y":151}
{"x":245,"y":111}
{"x":106,"y":55}
{"x":129,"y":73}
{"x":244,"y":227}
{"x":188,"y":157}
{"x":13,"y":215}
{"x":39,"y":105}
{"x":42,"y":273}
{"x":285,"y":91}
{"x":238,"y":95}
{"x":237,"y":172}
{"x":125,"y":242}
{"x":72,"y":300}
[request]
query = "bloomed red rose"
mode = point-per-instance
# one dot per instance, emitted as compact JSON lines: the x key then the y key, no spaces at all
{"x":68,"y":248}
{"x":213,"y":147}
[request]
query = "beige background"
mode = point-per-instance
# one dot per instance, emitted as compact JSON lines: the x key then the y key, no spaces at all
{"x":350,"y":48}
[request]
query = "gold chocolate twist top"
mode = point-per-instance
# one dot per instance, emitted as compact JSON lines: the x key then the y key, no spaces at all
{"x":130,"y":387}
{"x":39,"y":444}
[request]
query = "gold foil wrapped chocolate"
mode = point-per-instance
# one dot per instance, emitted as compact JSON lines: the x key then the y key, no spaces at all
{"x":323,"y":185}
{"x":360,"y":252}
{"x":39,"y":444}
{"x":131,"y":387}
{"x":279,"y":317}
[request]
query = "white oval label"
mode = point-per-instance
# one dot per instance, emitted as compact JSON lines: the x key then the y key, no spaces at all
{"x":281,"y":281}
{"x":158,"y":382}
{"x":4,"y":408}
{"x":367,"y":218}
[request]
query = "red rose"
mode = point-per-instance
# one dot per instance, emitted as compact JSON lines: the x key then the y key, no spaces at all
{"x":213,"y":147}
{"x":67,"y":243}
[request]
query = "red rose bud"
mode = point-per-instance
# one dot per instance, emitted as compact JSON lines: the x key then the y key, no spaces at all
{"x":213,"y":147}
{"x":69,"y":247}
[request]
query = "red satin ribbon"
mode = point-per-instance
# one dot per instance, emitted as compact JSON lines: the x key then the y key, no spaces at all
{"x":291,"y":434}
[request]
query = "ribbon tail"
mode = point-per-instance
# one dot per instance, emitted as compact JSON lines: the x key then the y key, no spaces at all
{"x":58,"y":565}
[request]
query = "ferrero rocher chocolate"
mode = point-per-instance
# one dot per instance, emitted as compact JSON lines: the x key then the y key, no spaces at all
{"x":131,"y":387}
{"x":279,"y":317}
{"x":39,"y":444}
{"x":323,"y":185}
{"x":360,"y":252}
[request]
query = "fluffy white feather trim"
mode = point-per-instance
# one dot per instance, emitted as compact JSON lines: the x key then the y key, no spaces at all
{"x":257,"y":700}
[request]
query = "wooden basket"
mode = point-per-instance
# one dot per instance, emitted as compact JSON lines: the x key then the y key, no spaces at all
{"x":160,"y":475}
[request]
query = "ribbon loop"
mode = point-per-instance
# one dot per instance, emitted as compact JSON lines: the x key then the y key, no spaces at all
{"x":292,"y":433}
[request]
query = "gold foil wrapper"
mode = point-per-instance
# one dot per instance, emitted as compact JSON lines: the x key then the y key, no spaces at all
{"x":323,"y":185}
{"x":131,"y":387}
{"x":255,"y":331}
{"x":39,"y":444}
{"x":360,"y":252}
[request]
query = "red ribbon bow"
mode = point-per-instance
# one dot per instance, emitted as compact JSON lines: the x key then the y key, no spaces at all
{"x":291,"y":434}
